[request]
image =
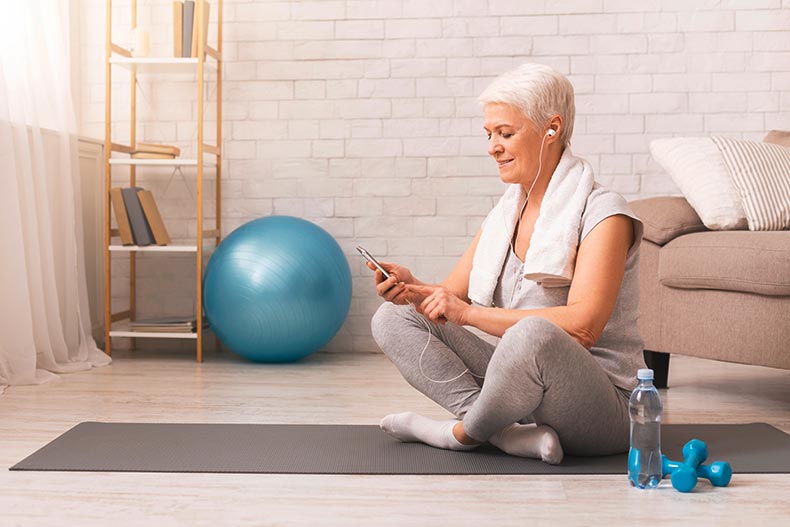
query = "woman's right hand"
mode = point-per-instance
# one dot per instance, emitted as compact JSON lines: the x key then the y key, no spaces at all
{"x":393,"y":289}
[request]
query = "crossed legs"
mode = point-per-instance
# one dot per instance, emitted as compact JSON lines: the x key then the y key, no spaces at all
{"x":536,"y":373}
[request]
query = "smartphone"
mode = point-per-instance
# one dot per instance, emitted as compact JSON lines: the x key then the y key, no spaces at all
{"x":372,"y":260}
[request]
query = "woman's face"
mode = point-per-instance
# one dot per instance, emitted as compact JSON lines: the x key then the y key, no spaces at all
{"x":514,"y":142}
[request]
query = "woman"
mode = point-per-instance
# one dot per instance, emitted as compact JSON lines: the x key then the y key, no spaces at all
{"x":552,"y":272}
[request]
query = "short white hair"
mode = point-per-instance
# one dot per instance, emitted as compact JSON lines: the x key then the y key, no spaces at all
{"x":539,"y":92}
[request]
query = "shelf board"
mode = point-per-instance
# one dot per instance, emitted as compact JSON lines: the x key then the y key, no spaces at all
{"x":157,"y":335}
{"x":156,"y":248}
{"x":161,"y":64}
{"x":123,"y":330}
{"x":176,"y":162}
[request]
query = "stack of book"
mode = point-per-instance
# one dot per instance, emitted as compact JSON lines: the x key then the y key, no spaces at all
{"x":137,"y":216}
{"x":164,"y":325}
{"x":155,"y":151}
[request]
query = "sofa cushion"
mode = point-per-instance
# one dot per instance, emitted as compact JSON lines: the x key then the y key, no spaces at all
{"x":666,"y":218}
{"x":752,"y":262}
{"x":778,"y":137}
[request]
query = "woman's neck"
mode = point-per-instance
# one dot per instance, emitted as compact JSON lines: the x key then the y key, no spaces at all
{"x":550,"y":162}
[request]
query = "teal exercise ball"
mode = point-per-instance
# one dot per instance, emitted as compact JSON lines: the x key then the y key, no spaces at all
{"x":277,"y":289}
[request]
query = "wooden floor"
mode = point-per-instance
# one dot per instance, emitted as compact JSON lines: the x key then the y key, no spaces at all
{"x":353,"y":389}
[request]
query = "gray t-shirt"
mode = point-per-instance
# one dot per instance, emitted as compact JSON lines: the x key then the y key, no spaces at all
{"x":619,"y":350}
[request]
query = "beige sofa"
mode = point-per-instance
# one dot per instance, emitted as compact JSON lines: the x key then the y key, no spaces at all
{"x":721,"y":295}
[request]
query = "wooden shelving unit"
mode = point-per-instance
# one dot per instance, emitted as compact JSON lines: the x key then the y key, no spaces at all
{"x":208,"y":58}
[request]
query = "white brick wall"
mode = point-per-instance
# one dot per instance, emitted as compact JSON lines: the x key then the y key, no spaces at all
{"x":360,"y":115}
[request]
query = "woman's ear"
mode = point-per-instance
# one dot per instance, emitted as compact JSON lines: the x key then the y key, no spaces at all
{"x":555,"y":125}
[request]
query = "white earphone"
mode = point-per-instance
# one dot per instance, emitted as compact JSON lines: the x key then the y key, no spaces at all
{"x":551,"y":132}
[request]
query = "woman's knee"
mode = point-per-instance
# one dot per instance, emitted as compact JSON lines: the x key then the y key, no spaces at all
{"x":386,"y":323}
{"x":530,"y":336}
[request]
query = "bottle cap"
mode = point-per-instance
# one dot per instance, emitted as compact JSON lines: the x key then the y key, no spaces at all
{"x":644,"y":374}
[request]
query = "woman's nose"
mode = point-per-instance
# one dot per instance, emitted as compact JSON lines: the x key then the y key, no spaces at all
{"x":493,"y":146}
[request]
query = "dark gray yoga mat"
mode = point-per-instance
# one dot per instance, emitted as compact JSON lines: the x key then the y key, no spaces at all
{"x":347,"y":449}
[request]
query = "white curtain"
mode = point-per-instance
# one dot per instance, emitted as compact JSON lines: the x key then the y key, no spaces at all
{"x":44,"y":318}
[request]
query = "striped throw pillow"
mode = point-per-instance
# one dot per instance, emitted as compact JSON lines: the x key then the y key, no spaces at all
{"x":761,"y":174}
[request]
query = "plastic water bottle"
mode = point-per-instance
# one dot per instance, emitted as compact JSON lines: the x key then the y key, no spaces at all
{"x":644,"y":457}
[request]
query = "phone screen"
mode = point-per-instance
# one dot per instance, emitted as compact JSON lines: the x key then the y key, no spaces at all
{"x":372,"y":260}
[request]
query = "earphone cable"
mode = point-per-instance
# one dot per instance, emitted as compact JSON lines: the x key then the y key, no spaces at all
{"x":511,"y":241}
{"x":419,"y":361}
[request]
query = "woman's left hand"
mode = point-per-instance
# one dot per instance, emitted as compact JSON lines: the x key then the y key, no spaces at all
{"x":440,"y":305}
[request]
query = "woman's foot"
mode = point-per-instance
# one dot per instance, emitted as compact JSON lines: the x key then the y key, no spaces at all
{"x":529,"y":441}
{"x":409,"y":427}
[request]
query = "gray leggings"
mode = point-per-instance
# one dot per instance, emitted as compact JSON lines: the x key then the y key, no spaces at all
{"x":536,"y":373}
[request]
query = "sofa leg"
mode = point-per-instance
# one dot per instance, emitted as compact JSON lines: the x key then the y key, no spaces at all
{"x":659,"y":363}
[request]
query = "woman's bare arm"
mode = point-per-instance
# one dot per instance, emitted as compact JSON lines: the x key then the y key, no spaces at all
{"x":600,"y":265}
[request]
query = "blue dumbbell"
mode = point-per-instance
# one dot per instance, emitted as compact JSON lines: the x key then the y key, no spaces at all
{"x":684,"y":475}
{"x":719,"y":473}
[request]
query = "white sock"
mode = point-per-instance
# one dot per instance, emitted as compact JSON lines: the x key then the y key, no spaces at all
{"x":409,"y":427}
{"x":529,"y":441}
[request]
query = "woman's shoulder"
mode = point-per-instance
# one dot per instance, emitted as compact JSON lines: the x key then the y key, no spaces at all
{"x":602,"y":197}
{"x":602,"y":203}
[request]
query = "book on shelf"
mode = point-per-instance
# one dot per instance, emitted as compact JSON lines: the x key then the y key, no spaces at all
{"x":173,"y":324}
{"x":165,"y":325}
{"x":152,"y":155}
{"x":186,"y":27}
{"x":121,"y":216}
{"x":157,"y":148}
{"x":140,"y":228}
{"x":178,"y":22}
{"x":195,"y":29}
{"x":155,"y":151}
{"x":153,"y":217}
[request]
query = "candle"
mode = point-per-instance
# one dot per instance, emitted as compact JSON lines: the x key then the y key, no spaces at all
{"x":139,"y":42}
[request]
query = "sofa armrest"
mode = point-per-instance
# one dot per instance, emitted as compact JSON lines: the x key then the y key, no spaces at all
{"x":667,"y":217}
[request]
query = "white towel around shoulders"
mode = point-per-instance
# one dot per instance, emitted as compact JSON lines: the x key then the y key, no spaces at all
{"x":551,"y":257}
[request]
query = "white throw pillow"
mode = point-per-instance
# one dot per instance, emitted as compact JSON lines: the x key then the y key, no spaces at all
{"x":698,"y":169}
{"x":761,"y":173}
